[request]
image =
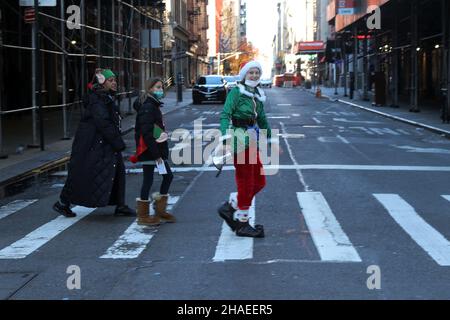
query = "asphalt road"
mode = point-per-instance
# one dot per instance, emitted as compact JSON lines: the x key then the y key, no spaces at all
{"x":360,"y":209}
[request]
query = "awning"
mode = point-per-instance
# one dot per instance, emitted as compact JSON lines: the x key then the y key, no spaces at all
{"x":310,"y":47}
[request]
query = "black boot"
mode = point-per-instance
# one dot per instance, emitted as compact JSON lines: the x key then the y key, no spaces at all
{"x":64,"y":210}
{"x":244,"y":229}
{"x":124,"y":211}
{"x":226,"y":212}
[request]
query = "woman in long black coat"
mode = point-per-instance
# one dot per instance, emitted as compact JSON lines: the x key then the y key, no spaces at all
{"x":96,"y":176}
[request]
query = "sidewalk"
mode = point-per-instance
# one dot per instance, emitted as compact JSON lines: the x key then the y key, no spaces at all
{"x":428,"y":118}
{"x":58,"y":150}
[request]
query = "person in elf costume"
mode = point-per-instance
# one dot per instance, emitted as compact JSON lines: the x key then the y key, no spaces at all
{"x":152,"y":148}
{"x":244,"y":110}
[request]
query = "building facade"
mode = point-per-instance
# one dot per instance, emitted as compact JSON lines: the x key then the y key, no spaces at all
{"x":122,"y":35}
{"x":403,"y":60}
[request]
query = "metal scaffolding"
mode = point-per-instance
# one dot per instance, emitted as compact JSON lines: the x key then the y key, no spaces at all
{"x":109,"y":35}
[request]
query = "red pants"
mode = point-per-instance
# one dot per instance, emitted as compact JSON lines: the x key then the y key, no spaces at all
{"x":250,"y":178}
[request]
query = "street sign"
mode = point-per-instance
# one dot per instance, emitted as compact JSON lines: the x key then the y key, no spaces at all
{"x":29,"y":15}
{"x":42,"y":3}
{"x":310,"y":47}
{"x":346,"y":7}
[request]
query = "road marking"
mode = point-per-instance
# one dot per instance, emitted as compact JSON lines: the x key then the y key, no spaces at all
{"x":14,"y":206}
{"x":418,"y":229}
{"x":279,"y":117}
{"x":424,"y":150}
{"x":232,"y":247}
{"x":343,"y":139}
{"x":446,"y":197}
{"x":328,"y":236}
{"x":383,"y":131}
{"x":403,"y":132}
{"x":135,"y":239}
{"x":292,"y":136}
{"x":39,"y":237}
{"x":284,"y":104}
{"x":291,"y":154}
{"x":354,"y":121}
{"x":363,"y":129}
{"x":310,"y":167}
{"x":317,"y":120}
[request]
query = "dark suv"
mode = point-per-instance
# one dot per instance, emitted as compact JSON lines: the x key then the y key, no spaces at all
{"x":210,"y":88}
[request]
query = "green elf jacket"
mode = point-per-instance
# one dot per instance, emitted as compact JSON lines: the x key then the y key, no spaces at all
{"x":243,"y":103}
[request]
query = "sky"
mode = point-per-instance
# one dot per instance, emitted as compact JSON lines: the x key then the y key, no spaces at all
{"x":262,"y":21}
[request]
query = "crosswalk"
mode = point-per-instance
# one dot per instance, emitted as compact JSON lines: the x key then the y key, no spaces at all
{"x":328,"y":236}
{"x":230,"y":247}
{"x":39,"y":237}
{"x":135,"y":239}
{"x":332,"y":241}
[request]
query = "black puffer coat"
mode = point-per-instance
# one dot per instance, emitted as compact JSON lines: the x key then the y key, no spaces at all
{"x":149,"y":114}
{"x":96,"y":155}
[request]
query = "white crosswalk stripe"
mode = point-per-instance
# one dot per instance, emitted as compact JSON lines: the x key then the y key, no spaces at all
{"x":418,"y":229}
{"x":39,"y":237}
{"x":232,"y":247}
{"x":332,"y":243}
{"x":135,"y":239}
{"x":327,"y":234}
{"x":14,"y":206}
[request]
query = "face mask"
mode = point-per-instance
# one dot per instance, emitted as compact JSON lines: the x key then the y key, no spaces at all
{"x":158,"y":94}
{"x":252,"y":83}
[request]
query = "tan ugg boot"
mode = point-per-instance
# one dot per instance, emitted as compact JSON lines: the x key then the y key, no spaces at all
{"x":143,"y":214}
{"x":160,"y":206}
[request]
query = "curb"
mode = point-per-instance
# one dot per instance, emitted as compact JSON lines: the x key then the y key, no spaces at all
{"x":439,"y":131}
{"x":47,"y":166}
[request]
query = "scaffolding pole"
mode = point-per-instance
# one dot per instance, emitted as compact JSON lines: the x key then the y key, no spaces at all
{"x":365,"y":76}
{"x":130,"y":63}
{"x":83,"y":49}
{"x":446,"y":58}
{"x":99,"y":34}
{"x":345,"y":60}
{"x":2,"y":155}
{"x":395,"y":60}
{"x":414,"y":57}
{"x":38,"y":65}
{"x":63,"y":70}
{"x":34,"y":143}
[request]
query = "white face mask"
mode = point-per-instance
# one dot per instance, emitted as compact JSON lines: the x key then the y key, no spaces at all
{"x":252,"y":83}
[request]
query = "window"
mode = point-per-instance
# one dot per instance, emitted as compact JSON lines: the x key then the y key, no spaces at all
{"x":210,"y":80}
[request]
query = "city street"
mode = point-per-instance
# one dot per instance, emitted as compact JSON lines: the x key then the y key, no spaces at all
{"x":360,"y":209}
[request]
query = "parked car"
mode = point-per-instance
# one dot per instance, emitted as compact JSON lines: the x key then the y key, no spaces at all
{"x":266,"y":83}
{"x":210,"y":88}
{"x":232,"y":81}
